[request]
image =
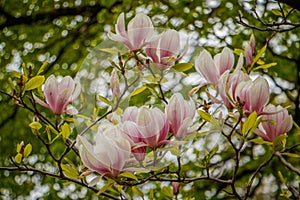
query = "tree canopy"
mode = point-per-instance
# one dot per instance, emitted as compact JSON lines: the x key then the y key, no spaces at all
{"x":60,"y":35}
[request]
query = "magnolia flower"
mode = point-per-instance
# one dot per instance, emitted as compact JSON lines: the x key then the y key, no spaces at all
{"x":130,"y":114}
{"x":152,"y":125}
{"x":59,"y":95}
{"x":164,"y":50}
{"x":138,"y":147}
{"x":276,"y":122}
{"x":224,"y":61}
{"x":180,"y":114}
{"x":211,"y":69}
{"x":139,"y":31}
{"x":110,"y":153}
{"x":254,"y":95}
{"x":229,"y":82}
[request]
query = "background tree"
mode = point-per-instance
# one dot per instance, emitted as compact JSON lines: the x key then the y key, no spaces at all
{"x":63,"y":32}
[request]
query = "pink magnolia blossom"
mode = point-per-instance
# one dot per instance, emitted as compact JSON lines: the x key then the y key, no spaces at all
{"x":110,"y":153}
{"x":130,"y":114}
{"x":138,"y":147}
{"x":229,"y":82}
{"x":59,"y":95}
{"x":164,"y":50}
{"x":211,"y":69}
{"x":253,"y":94}
{"x":276,"y":122}
{"x":152,"y":125}
{"x":139,"y":31}
{"x":224,"y":61}
{"x":180,"y":114}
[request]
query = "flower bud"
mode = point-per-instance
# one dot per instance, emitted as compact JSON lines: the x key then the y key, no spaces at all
{"x":115,"y":84}
{"x":175,"y":187}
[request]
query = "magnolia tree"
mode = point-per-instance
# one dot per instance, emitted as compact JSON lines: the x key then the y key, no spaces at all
{"x":139,"y":120}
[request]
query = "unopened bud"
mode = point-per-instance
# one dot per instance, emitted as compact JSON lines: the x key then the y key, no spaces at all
{"x":115,"y":83}
{"x":252,"y":44}
{"x":21,"y":151}
{"x":175,"y":186}
{"x":248,"y":55}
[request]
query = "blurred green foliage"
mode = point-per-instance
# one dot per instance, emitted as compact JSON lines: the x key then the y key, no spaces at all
{"x":62,"y":32}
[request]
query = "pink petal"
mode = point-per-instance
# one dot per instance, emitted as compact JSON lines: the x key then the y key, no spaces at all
{"x":204,"y":64}
{"x":39,"y":101}
{"x":51,"y":91}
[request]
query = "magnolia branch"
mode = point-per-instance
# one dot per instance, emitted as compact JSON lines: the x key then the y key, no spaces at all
{"x":287,"y":164}
{"x":58,"y":176}
{"x":283,"y":26}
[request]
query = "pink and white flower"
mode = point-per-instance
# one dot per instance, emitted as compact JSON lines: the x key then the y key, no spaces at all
{"x":139,"y":31}
{"x":180,"y":114}
{"x":110,"y":153}
{"x":59,"y":95}
{"x":275,"y":122}
{"x":254,"y":95}
{"x":229,"y":82}
{"x":138,"y":147}
{"x":164,"y":50}
{"x":152,"y":125}
{"x":211,"y":69}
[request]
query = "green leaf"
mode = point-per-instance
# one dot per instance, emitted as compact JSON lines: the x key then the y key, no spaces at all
{"x":11,"y":83}
{"x":249,"y":123}
{"x":293,"y":155}
{"x":181,"y":67}
{"x":111,"y":50}
{"x":138,"y":91}
{"x":281,"y":177}
{"x":213,"y":151}
{"x":259,"y":141}
{"x":106,"y":186}
{"x":137,"y":191}
{"x":18,"y":158}
{"x":25,"y":70}
{"x":260,"y":53}
{"x":69,"y":171}
{"x":167,"y":191}
{"x":204,"y":115}
{"x":27,"y":150}
{"x":35,"y":125}
{"x":266,"y":66}
{"x":238,"y":51}
{"x":105,"y":100}
{"x":34,"y":82}
{"x":140,"y":97}
{"x":129,"y":175}
{"x":174,"y":150}
{"x":18,"y":148}
{"x":276,"y":12}
{"x":151,"y":194}
{"x":65,"y":131}
{"x":42,"y":68}
{"x":279,"y":140}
